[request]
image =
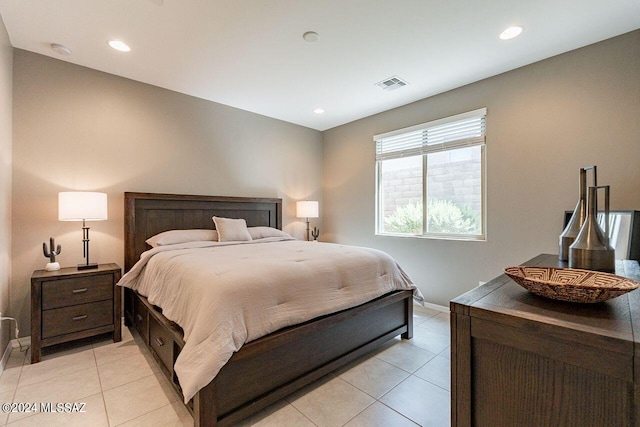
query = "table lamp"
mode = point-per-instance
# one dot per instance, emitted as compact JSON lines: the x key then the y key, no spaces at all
{"x":307,"y":209}
{"x":83,"y":206}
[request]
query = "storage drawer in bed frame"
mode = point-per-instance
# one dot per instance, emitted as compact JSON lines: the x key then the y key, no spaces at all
{"x":141,"y":316}
{"x":163,"y":338}
{"x":161,"y":343}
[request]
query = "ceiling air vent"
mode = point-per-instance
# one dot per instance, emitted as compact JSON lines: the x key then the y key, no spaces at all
{"x":392,"y":83}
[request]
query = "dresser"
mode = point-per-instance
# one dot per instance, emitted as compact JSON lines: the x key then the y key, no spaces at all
{"x":518,"y":359}
{"x":70,"y":304}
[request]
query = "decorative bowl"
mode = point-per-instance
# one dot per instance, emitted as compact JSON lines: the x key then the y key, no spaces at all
{"x":569,"y":284}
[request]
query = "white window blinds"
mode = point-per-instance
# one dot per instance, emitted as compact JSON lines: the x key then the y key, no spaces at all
{"x":462,"y":130}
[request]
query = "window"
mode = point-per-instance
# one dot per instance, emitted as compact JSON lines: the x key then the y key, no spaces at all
{"x":431,"y":179}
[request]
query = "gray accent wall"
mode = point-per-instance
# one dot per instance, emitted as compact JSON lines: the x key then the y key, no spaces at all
{"x":81,"y":129}
{"x":544,"y":122}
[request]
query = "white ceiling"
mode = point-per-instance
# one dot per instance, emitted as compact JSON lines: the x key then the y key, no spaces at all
{"x":250,"y":54}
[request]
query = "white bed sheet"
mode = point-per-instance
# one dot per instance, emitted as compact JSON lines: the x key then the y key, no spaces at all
{"x":226,"y":294}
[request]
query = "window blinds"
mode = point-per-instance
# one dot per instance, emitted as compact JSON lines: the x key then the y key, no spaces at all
{"x":462,"y":130}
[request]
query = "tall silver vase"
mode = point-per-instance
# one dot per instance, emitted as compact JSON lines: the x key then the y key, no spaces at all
{"x":591,"y":249}
{"x":574,"y":225}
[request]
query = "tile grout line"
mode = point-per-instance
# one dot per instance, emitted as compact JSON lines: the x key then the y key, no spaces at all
{"x":373,"y":397}
{"x":431,"y":382}
{"x":15,"y":390}
{"x":142,"y":415}
{"x":298,"y":411}
{"x":401,"y":414}
{"x":393,"y":388}
{"x":119,"y":361}
{"x":123,"y":384}
{"x":104,"y":403}
{"x":54,"y":377}
{"x":418,"y":368}
{"x":103,"y":398}
{"x":364,"y":409}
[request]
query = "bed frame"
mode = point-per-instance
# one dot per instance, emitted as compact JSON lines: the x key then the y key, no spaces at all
{"x":269,"y":368}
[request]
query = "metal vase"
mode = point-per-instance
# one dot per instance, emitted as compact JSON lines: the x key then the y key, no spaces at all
{"x":591,"y":249}
{"x":574,"y":225}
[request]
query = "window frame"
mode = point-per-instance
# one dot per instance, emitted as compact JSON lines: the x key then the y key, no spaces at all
{"x":446,"y":147}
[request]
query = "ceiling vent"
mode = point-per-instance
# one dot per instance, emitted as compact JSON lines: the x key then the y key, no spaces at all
{"x":392,"y":83}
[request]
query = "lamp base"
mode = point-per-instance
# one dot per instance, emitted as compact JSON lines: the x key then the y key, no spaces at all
{"x":87,"y":266}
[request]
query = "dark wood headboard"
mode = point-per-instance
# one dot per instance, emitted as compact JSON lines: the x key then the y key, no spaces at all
{"x":147,"y":214}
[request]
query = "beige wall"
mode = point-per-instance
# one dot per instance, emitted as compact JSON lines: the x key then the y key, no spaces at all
{"x":544,"y":122}
{"x":6,"y":60}
{"x":80,"y":129}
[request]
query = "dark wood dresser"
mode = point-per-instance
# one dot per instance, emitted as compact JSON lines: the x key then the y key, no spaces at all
{"x":518,"y":359}
{"x":70,"y":304}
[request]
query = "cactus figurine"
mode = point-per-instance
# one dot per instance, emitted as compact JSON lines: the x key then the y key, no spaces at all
{"x":51,"y":254}
{"x":315,"y":233}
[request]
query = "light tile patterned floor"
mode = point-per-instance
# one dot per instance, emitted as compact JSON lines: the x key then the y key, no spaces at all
{"x":404,"y":383}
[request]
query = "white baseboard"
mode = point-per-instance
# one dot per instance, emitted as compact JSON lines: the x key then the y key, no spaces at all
{"x":5,"y":357}
{"x":431,"y":306}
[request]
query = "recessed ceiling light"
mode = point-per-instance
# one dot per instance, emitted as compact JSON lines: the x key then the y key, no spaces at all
{"x":310,"y":36}
{"x":318,"y":111}
{"x":118,"y":45}
{"x":60,"y":48}
{"x":511,"y":33}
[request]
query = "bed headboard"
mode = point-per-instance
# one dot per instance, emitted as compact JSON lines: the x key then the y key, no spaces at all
{"x":147,"y":214}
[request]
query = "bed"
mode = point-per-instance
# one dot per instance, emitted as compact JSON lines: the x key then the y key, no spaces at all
{"x":269,"y":368}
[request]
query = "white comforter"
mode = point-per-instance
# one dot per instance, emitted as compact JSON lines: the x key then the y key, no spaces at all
{"x":226,"y":294}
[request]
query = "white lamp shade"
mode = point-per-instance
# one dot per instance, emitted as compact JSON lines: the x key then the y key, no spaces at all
{"x":307,"y":209}
{"x":82,"y":205}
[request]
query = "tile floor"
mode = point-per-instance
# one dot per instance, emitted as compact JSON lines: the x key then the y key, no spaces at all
{"x":404,"y":383}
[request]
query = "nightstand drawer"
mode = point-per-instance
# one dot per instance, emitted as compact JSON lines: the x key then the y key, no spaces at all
{"x":81,"y":290}
{"x":76,"y":318}
{"x":161,"y":342}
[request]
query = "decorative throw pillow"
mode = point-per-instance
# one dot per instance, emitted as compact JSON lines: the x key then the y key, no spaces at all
{"x":264,"y":232}
{"x":231,"y":230}
{"x":173,"y":237}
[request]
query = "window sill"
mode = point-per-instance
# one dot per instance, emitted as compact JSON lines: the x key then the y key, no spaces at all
{"x":436,"y":237}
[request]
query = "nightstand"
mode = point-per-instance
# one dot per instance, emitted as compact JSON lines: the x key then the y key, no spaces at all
{"x":69,"y":304}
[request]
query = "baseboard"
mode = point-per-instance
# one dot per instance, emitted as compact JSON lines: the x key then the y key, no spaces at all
{"x":431,"y":306}
{"x":5,"y":357}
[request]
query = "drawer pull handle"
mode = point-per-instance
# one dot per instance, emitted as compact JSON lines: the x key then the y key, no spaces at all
{"x":79,"y":291}
{"x":159,"y":342}
{"x":84,"y":316}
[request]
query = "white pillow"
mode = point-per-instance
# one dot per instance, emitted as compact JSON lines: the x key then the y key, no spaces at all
{"x":173,"y":237}
{"x":231,"y":230}
{"x":264,"y":232}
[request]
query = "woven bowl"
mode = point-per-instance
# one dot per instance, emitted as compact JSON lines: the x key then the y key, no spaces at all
{"x":569,"y":284}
